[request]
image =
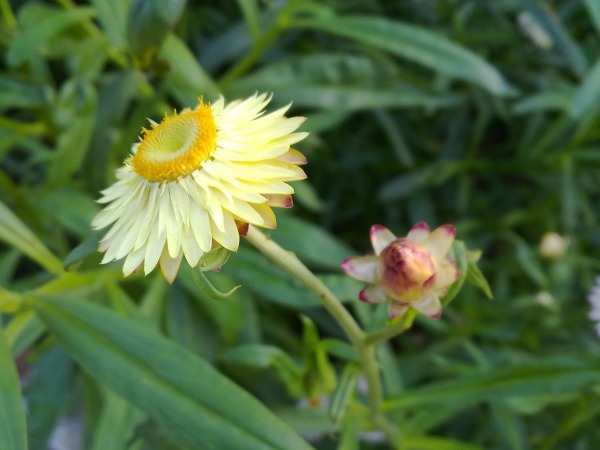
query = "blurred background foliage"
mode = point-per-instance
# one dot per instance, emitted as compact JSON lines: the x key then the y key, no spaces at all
{"x":481,"y":113}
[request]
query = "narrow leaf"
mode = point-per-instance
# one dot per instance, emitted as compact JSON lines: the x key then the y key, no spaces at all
{"x":418,"y":45}
{"x":163,"y":379}
{"x":593,"y":7}
{"x":13,"y":432}
{"x":149,"y":23}
{"x":113,"y":17}
{"x":587,"y":95}
{"x":499,"y":383}
{"x":343,"y":392}
{"x":186,"y":80}
{"x":15,"y":233}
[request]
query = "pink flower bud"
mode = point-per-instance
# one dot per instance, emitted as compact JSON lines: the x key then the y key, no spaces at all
{"x":405,"y":268}
{"x":414,"y":271}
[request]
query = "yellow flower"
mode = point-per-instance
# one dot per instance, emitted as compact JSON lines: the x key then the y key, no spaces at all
{"x":196,"y":180}
{"x":414,"y":271}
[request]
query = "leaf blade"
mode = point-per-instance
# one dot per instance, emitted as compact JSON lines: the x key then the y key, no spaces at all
{"x":168,"y":382}
{"x":13,"y":432}
{"x":418,"y":45}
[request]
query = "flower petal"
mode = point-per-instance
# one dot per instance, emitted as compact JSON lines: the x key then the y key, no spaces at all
{"x":372,"y":294}
{"x":133,"y":261}
{"x":169,"y":266}
{"x":381,"y":237}
{"x":447,"y":273}
{"x":361,"y":267}
{"x":396,"y":309}
{"x":418,"y":233}
{"x":279,"y":201}
{"x":440,"y":240}
{"x":430,"y":306}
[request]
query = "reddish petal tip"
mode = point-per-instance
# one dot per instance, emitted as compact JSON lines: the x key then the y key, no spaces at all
{"x":377,"y":228}
{"x":420,"y":226}
{"x":346,"y":263}
{"x":448,"y":228}
{"x":363,"y":296}
{"x":436,"y":315}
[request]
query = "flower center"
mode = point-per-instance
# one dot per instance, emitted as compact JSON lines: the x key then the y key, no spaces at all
{"x":176,"y":146}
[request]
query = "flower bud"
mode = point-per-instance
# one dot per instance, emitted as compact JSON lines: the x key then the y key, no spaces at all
{"x":410,"y":272}
{"x":405,"y":269}
{"x":553,"y":245}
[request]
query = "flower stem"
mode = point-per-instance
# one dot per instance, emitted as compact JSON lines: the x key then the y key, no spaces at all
{"x":292,"y":265}
{"x":387,"y":333}
{"x":366,"y":351}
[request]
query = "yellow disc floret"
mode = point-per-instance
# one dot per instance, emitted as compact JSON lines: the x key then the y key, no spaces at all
{"x":177,"y":146}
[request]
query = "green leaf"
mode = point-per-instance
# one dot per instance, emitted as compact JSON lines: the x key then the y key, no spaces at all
{"x":75,"y":114}
{"x":311,"y":243}
{"x":251,"y":15}
{"x":268,"y":281}
{"x":267,"y":356}
{"x":594,"y":9}
{"x":15,"y":233}
{"x":68,"y":206}
{"x":186,"y":80}
{"x":343,"y":392}
{"x":13,"y":432}
{"x":551,"y":23}
{"x":557,"y":99}
{"x":84,"y":250}
{"x":112,"y":15}
{"x":18,"y":92}
{"x":163,"y":379}
{"x":437,"y":443}
{"x":338,"y":81}
{"x":49,"y":393}
{"x":40,"y":23}
{"x":408,"y":183}
{"x":23,"y":329}
{"x":319,"y":379}
{"x":529,"y":261}
{"x":475,"y":277}
{"x":498,"y":383}
{"x":116,"y":423}
{"x":418,"y":45}
{"x":149,"y":23}
{"x":587,"y":95}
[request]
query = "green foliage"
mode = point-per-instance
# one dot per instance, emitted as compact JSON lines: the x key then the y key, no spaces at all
{"x":12,"y":415}
{"x":483,"y":114}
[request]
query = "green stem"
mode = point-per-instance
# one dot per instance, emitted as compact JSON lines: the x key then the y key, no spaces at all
{"x":366,"y":352}
{"x":387,"y":333}
{"x":7,"y":13}
{"x":292,"y":265}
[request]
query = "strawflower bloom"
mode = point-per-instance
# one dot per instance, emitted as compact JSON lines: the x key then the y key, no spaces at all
{"x":196,"y":180}
{"x":410,"y":272}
